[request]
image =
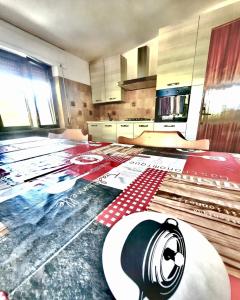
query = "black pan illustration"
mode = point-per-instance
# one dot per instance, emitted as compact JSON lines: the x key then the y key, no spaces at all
{"x":153,"y":256}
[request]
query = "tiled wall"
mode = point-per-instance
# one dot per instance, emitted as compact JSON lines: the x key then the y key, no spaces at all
{"x":137,"y":104}
{"x":79,"y":102}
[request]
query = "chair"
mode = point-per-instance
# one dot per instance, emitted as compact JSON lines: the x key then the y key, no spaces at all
{"x":70,"y":134}
{"x":165,"y":139}
{"x":52,"y":135}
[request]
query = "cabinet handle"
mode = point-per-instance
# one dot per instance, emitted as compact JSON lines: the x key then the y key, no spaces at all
{"x":98,"y":100}
{"x":93,"y":125}
{"x":112,"y":98}
{"x":173,"y":83}
{"x":143,"y":125}
{"x":108,"y":125}
{"x":124,"y":125}
{"x":169,"y":126}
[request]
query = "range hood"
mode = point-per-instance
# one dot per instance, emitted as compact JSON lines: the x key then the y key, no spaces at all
{"x":139,"y":83}
{"x":143,"y":81}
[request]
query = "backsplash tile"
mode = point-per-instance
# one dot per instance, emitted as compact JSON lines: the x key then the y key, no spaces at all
{"x":80,"y":103}
{"x":136,"y":104}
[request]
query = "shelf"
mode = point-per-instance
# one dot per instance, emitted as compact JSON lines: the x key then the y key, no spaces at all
{"x":139,"y":83}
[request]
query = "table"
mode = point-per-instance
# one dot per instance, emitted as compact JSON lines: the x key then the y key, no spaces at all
{"x":59,"y":199}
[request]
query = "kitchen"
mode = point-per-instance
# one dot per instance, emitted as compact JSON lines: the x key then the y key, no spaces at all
{"x":124,"y":86}
{"x":91,"y":92}
{"x":143,"y":71}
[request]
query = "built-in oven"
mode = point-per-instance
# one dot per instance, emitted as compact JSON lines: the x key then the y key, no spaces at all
{"x":172,"y":104}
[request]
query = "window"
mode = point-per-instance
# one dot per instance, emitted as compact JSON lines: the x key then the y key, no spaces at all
{"x":26,"y":97}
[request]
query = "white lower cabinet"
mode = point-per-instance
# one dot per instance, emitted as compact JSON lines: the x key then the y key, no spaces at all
{"x":171,"y":126}
{"x":109,"y":132}
{"x":125,"y":129}
{"x":138,"y":128}
{"x":95,"y":130}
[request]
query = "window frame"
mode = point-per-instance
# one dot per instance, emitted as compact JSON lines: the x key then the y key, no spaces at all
{"x":27,"y":61}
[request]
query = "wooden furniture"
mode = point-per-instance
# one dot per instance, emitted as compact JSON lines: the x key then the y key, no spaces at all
{"x":171,"y":126}
{"x":125,"y":129}
{"x":176,"y":52}
{"x":105,"y":75}
{"x":221,"y":89}
{"x":163,"y":139}
{"x":114,"y":68}
{"x":139,"y":127}
{"x":70,"y":134}
{"x":97,"y":81}
{"x":109,"y":131}
{"x":95,"y":129}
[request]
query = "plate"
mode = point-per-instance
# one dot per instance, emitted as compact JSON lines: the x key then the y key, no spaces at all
{"x":150,"y":255}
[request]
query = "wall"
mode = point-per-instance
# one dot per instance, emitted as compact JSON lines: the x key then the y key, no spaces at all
{"x":137,"y":104}
{"x":77,"y":103}
{"x":140,"y":103}
{"x":63,"y":63}
{"x":74,"y":68}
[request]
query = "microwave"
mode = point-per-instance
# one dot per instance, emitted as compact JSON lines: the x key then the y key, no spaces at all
{"x":172,"y":104}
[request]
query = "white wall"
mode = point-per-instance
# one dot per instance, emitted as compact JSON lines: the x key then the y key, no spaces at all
{"x":74,"y":68}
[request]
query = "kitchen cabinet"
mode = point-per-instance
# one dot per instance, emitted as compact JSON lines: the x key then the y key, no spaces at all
{"x":114,"y":73}
{"x":171,"y":126}
{"x":109,"y":132}
{"x":95,"y":130}
{"x":105,"y":75}
{"x":176,"y":52}
{"x":102,"y":131}
{"x":97,"y":81}
{"x":138,"y":128}
{"x":125,"y":129}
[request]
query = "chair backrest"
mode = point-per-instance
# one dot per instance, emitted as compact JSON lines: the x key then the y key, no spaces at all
{"x":164,"y":139}
{"x":75,"y":135}
{"x":52,"y":135}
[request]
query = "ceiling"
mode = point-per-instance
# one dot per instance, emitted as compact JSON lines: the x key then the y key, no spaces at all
{"x":94,"y":28}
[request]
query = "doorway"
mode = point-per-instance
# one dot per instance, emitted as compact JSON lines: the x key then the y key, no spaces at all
{"x":220,"y":118}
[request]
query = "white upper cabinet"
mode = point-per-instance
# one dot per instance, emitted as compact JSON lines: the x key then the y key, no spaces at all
{"x":176,"y":51}
{"x":105,"y":75}
{"x":112,"y":77}
{"x":97,"y":81}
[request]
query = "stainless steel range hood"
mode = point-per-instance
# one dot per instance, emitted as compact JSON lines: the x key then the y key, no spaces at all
{"x":139,"y":83}
{"x":143,"y":81}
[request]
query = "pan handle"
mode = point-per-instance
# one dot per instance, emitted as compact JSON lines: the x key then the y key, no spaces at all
{"x":171,"y":221}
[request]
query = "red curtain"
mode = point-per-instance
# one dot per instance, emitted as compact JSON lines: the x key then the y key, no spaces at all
{"x":223,"y":66}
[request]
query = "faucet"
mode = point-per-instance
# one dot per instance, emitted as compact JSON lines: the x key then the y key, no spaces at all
{"x":109,"y":117}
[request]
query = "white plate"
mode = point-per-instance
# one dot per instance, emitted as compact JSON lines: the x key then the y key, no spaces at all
{"x":204,"y":275}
